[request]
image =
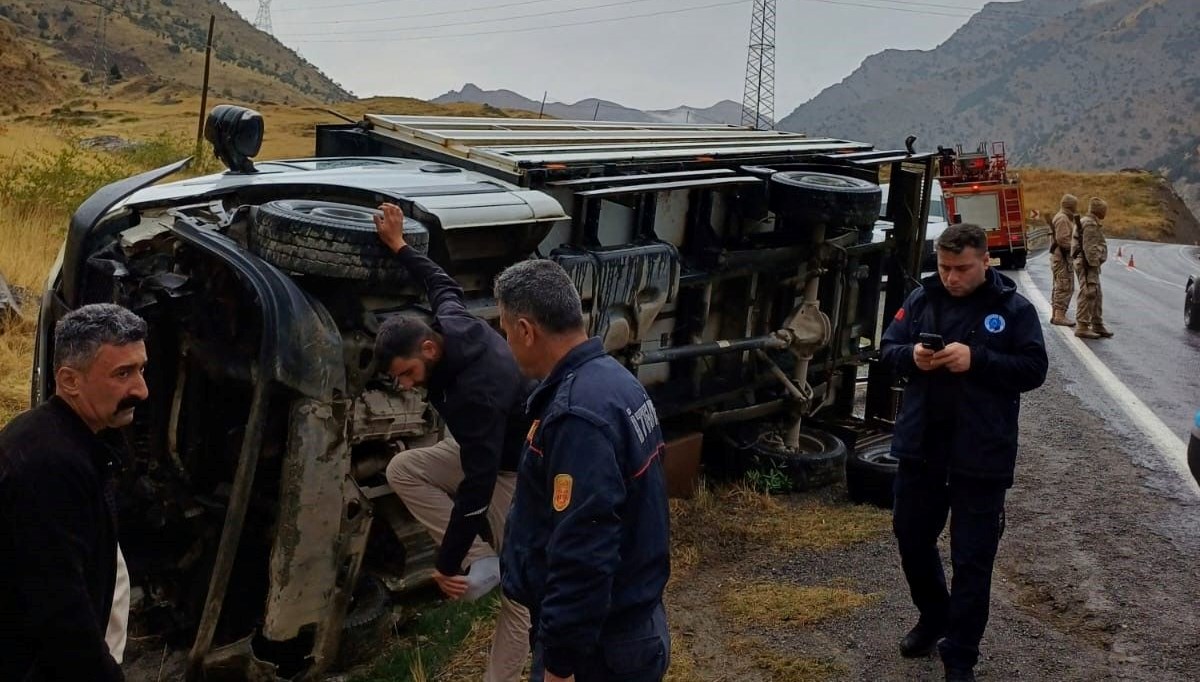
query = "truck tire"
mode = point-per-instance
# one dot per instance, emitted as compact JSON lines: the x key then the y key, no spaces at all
{"x":1191,"y":308}
{"x":809,"y":198}
{"x":368,"y":622}
{"x":1019,"y":259}
{"x":871,"y":475}
{"x":329,"y":240}
{"x":819,"y":462}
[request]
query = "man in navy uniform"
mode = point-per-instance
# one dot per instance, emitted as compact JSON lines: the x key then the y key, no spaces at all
{"x":956,"y":437}
{"x":587,"y":538}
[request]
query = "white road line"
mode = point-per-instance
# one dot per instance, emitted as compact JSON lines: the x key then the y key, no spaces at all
{"x":1169,"y":445}
{"x":1192,"y":262}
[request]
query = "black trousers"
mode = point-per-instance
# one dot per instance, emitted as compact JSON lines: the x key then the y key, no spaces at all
{"x":925,"y":496}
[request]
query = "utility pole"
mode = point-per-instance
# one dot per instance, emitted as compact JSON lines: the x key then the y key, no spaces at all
{"x":543,"y":107}
{"x":262,"y":21}
{"x":758,"y":97}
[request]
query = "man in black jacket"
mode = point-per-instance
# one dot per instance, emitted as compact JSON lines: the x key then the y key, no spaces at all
{"x":464,"y":484}
{"x":956,"y":437}
{"x":58,"y":534}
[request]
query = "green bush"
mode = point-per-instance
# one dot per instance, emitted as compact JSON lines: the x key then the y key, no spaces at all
{"x":61,"y":180}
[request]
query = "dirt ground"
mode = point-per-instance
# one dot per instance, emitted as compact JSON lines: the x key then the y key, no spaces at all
{"x":1094,"y":580}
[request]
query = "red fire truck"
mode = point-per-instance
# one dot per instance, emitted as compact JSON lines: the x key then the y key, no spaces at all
{"x":979,"y":189}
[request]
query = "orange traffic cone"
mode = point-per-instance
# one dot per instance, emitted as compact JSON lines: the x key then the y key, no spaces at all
{"x":1118,"y":252}
{"x":1130,"y":259}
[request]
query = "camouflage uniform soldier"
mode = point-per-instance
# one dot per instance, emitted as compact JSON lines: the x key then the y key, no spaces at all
{"x":1063,"y":227}
{"x":1090,"y":250}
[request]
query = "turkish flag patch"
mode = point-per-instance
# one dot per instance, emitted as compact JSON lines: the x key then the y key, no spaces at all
{"x":899,"y":314}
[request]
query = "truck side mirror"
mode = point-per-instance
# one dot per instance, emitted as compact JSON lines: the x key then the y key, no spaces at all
{"x":236,"y":134}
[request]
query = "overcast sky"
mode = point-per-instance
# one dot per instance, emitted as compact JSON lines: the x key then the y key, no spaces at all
{"x":691,"y":52}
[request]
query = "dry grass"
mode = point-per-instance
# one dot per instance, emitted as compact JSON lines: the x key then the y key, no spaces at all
{"x":1135,"y":210}
{"x":768,"y":604}
{"x":290,"y":129}
{"x":16,"y":361}
{"x":738,"y":515}
{"x":470,"y":658}
{"x":781,"y":668}
{"x":683,"y":664}
{"x":29,"y":243}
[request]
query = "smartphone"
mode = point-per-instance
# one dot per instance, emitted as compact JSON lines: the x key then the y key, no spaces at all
{"x":933,"y":342}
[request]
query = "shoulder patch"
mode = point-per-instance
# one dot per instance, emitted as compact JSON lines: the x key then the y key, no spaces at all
{"x":562,"y":491}
{"x":994,"y":323}
{"x":900,"y":314}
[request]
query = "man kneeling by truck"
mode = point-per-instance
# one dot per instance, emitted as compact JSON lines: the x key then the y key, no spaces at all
{"x":463,"y":484}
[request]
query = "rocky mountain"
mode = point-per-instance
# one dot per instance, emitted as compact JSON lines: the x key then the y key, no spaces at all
{"x":145,"y":46}
{"x":1074,"y":84}
{"x":589,"y":109}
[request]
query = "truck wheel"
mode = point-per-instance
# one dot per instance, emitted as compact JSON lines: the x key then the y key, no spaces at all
{"x":1191,"y":309}
{"x":819,"y":461}
{"x":329,"y":240}
{"x":1019,"y":259}
{"x":368,"y":622}
{"x":871,"y":475}
{"x":808,"y":198}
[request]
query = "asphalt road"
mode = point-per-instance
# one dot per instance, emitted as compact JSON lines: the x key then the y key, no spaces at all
{"x":1152,"y":354}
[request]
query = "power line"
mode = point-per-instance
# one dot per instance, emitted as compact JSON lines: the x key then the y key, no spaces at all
{"x":305,"y":37}
{"x":467,"y":23}
{"x":422,"y":15}
{"x":543,"y":28}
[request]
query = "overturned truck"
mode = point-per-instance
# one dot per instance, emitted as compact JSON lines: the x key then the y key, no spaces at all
{"x":734,"y":272}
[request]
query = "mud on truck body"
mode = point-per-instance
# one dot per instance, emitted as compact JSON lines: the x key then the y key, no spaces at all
{"x":733,"y":271}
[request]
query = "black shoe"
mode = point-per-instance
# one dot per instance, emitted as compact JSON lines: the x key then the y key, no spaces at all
{"x":960,"y":675}
{"x":921,"y":640}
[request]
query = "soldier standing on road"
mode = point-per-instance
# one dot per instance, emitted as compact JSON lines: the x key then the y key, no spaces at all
{"x":1089,"y":250}
{"x":587,"y":547}
{"x":956,"y":437}
{"x":63,"y":585}
{"x":1063,"y":227}
{"x":464,"y":484}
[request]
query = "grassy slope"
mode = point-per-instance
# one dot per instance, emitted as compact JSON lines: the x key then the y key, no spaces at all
{"x":160,"y":44}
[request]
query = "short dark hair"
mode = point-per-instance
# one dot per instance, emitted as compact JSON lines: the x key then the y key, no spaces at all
{"x":400,"y":336}
{"x":542,"y":291}
{"x":79,"y":335}
{"x":962,"y":236}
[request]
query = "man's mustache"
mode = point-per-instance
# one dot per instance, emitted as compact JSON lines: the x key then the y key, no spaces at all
{"x":128,"y":403}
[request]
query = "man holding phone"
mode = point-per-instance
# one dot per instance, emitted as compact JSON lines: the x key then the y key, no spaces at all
{"x":969,"y":345}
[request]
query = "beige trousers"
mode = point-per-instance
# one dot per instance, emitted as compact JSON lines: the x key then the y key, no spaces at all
{"x":1064,"y":282}
{"x":117,"y":632}
{"x":1089,"y":304}
{"x":425,"y":479}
